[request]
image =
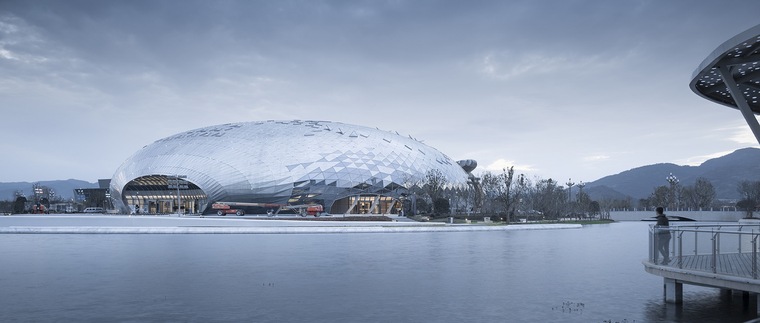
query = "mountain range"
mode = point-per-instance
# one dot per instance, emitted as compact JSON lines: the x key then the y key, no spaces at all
{"x":725,"y":173}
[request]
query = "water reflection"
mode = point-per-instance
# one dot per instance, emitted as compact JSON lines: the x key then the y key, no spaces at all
{"x":704,"y":305}
{"x":592,"y":274}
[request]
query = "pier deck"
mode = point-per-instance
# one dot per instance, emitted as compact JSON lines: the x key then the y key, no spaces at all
{"x":720,"y":256}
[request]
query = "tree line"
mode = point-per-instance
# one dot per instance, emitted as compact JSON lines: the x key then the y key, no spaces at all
{"x":504,"y":196}
{"x":512,"y":197}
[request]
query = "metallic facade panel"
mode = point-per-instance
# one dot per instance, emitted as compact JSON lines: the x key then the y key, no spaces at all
{"x":279,"y":161}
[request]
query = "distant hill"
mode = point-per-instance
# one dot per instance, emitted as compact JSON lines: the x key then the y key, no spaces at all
{"x":62,"y":188}
{"x":725,"y":173}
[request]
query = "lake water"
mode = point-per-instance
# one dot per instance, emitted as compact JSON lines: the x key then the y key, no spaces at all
{"x":593,"y":274}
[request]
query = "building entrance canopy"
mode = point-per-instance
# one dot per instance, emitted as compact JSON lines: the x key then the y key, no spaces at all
{"x":162,"y":194}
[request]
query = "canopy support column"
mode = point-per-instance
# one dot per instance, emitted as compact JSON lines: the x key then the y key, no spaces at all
{"x":741,"y":102}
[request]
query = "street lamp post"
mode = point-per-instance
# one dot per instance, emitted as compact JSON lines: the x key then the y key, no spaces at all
{"x":178,"y":182}
{"x":179,"y":199}
{"x":673,"y":181}
{"x":570,"y":207}
{"x":583,"y":208}
{"x":569,"y":189}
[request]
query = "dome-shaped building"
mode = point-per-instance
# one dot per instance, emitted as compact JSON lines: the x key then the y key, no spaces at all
{"x":346,"y":168}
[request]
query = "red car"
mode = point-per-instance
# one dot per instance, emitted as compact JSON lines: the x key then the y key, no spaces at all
{"x":224,"y":209}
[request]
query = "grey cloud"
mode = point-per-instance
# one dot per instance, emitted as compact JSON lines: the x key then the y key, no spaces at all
{"x":413,"y":66}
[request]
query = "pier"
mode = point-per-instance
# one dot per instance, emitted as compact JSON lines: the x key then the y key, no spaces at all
{"x":723,"y":256}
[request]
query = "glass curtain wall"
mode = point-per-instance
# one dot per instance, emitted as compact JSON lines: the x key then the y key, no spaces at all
{"x":366,"y":204}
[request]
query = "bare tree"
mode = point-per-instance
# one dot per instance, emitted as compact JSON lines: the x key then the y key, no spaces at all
{"x":435,"y":185}
{"x":503,"y":192}
{"x":595,"y":209}
{"x":413,"y":186}
{"x":645,"y":204}
{"x":689,"y":197}
{"x":750,"y":192}
{"x":460,"y":199}
{"x":702,"y":194}
{"x":605,"y":206}
{"x":549,"y":198}
{"x":705,"y":192}
{"x":583,"y":200}
{"x":489,"y":186}
{"x":512,"y":190}
{"x":660,"y":196}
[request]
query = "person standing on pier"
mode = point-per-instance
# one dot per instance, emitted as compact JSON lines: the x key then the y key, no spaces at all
{"x":662,"y":236}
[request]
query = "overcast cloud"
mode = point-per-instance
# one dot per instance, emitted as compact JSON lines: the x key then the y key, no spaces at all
{"x":557,"y":89}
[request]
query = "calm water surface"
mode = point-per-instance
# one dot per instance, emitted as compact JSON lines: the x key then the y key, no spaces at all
{"x":592,"y":274}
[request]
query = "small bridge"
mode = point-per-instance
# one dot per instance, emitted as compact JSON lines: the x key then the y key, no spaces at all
{"x":723,"y":256}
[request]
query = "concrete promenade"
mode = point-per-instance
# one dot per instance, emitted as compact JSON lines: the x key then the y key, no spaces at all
{"x":122,"y":224}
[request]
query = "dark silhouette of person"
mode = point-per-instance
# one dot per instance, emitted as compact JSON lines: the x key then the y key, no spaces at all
{"x":662,"y":236}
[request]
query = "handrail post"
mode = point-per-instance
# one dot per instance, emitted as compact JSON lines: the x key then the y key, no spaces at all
{"x":680,"y":249}
{"x":672,"y":243}
{"x":652,"y":248}
{"x":714,"y":251}
{"x":754,"y":254}
{"x":740,"y":238}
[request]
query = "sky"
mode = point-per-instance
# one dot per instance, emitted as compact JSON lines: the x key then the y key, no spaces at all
{"x":564,"y":89}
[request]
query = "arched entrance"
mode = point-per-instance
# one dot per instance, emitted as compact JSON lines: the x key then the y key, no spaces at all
{"x":162,"y":194}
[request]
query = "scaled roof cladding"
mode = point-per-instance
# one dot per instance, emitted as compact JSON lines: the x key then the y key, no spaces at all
{"x":274,"y":157}
{"x":742,"y":55}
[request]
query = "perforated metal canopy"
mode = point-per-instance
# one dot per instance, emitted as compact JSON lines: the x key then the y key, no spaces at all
{"x":739,"y":56}
{"x":730,"y":76}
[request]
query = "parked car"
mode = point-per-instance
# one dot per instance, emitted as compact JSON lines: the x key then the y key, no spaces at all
{"x":224,"y":212}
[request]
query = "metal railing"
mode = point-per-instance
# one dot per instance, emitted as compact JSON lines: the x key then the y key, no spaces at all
{"x":728,"y":249}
